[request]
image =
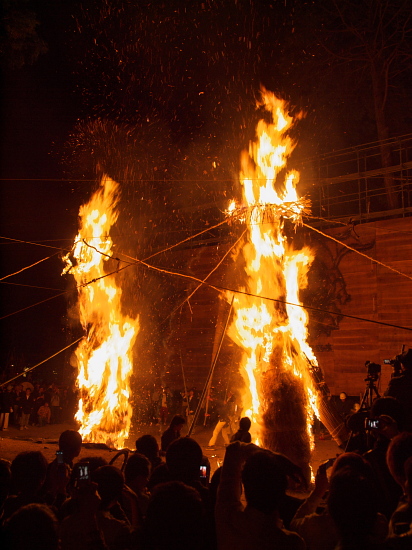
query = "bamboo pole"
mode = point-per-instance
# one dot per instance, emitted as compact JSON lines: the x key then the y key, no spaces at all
{"x":212,"y":368}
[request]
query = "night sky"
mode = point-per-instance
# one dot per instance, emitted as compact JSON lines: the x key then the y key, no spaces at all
{"x":161,"y":96}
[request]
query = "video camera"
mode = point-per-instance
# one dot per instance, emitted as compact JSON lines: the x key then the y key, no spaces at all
{"x":373,"y":370}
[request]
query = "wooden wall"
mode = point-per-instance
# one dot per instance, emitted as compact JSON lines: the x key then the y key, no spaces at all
{"x":195,"y":328}
{"x":376,"y":293}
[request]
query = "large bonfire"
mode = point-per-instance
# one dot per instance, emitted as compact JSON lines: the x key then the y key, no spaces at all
{"x":104,"y":356}
{"x":280,"y":395}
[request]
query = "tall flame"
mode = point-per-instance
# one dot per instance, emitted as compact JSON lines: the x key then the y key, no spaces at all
{"x":105,"y":355}
{"x":272,"y":333}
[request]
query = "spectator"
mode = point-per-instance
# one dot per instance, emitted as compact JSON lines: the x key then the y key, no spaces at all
{"x":176,"y":402}
{"x":225,"y":408}
{"x":399,"y":456}
{"x":389,"y":412}
{"x":108,"y":526}
{"x":175,"y":519}
{"x":352,"y":504}
{"x":164,"y":402}
{"x":6,"y":407}
{"x":5,"y":482}
{"x":173,"y":431}
{"x":39,"y":400}
{"x":399,"y":450}
{"x":183,"y":459}
{"x":185,"y":462}
{"x":81,"y":529}
{"x":400,"y":387}
{"x":401,"y":520}
{"x":264,"y":482}
{"x":26,"y":407}
{"x":68,"y":506}
{"x":148,"y":446}
{"x":58,"y":474}
{"x":312,"y":520}
{"x":70,"y":443}
{"x":55,"y":405}
{"x":137,"y":474}
{"x":44,"y":414}
{"x":28,"y":474}
{"x":17,"y":393}
{"x":243,"y":432}
{"x":32,"y":527}
{"x":192,"y":402}
{"x":343,"y":405}
{"x":110,"y":483}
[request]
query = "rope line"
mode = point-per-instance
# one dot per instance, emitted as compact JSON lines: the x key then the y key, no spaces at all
{"x":31,"y":242}
{"x":28,"y":267}
{"x":32,"y":286}
{"x":205,"y":279}
{"x":41,"y":362}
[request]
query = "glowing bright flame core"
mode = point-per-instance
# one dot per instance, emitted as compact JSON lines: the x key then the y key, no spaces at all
{"x":274,"y":270}
{"x":105,"y":355}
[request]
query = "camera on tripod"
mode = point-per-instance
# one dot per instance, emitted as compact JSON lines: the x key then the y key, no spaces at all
{"x":373,"y":370}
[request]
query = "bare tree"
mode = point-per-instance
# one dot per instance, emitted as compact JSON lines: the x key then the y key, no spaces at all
{"x":373,"y":36}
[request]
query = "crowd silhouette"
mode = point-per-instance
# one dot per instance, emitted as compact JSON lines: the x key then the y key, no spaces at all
{"x":81,"y":502}
{"x":164,"y":498}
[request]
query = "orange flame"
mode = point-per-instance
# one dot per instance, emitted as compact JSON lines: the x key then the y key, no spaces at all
{"x":105,"y":355}
{"x":274,"y":270}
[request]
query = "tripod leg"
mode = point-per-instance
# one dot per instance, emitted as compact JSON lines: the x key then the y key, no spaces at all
{"x":364,"y":399}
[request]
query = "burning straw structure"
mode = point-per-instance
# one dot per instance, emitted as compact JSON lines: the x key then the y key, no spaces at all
{"x":104,"y":356}
{"x":280,"y":393}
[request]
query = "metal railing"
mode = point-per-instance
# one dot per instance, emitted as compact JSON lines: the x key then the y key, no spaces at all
{"x":354,"y":183}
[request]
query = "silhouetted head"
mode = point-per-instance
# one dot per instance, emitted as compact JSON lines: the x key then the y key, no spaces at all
{"x":147,"y":445}
{"x":32,"y":527}
{"x":110,"y":483}
{"x":174,"y":518}
{"x":245,"y":423}
{"x":28,"y":471}
{"x":178,"y":421}
{"x":399,"y":450}
{"x":264,"y":481}
{"x":184,"y":458}
{"x":137,"y":471}
{"x":354,"y":461}
{"x":70,"y":442}
{"x":353,"y":505}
